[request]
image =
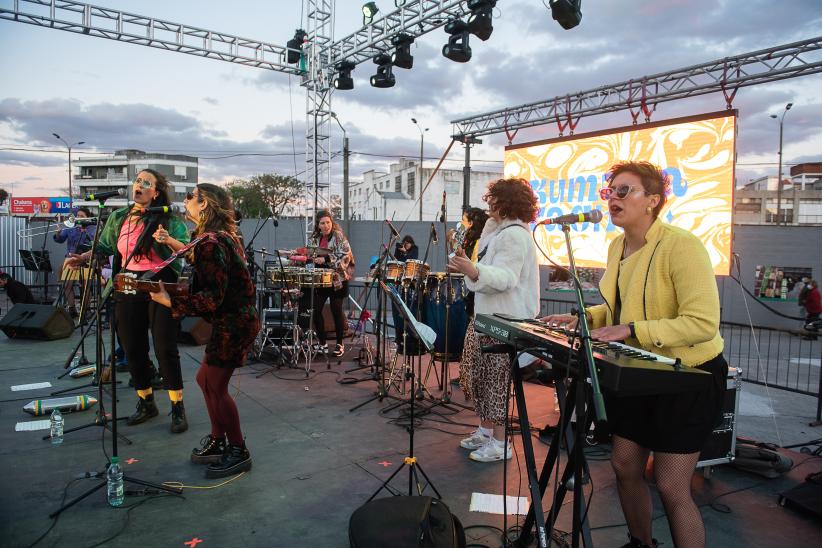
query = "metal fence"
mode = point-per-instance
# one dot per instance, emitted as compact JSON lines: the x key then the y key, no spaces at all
{"x":780,"y":358}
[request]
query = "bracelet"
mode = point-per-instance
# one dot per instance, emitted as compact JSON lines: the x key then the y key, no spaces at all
{"x":633,"y":330}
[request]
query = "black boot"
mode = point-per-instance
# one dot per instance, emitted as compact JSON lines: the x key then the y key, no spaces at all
{"x":178,"y":418}
{"x":634,"y":542}
{"x":236,"y":459}
{"x":211,"y":451}
{"x":146,"y":409}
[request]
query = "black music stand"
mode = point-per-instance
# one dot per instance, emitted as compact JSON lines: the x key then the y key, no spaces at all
{"x":410,"y":460}
{"x":38,"y":261}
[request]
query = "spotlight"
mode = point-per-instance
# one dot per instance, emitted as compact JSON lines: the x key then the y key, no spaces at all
{"x":479,"y":22}
{"x":369,"y":10}
{"x":568,"y":13}
{"x":457,"y":48}
{"x":402,"y":57}
{"x":399,"y":3}
{"x":384,"y":77}
{"x":343,"y":78}
{"x":295,"y":47}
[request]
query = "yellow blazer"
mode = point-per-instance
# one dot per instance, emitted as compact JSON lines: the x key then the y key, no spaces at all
{"x":676,"y":310}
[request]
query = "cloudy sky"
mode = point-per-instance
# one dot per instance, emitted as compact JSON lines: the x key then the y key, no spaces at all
{"x":241,"y":121}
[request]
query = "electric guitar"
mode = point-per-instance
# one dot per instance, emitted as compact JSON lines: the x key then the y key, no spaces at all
{"x":127,"y":282}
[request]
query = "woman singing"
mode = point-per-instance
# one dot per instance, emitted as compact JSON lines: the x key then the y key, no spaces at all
{"x":660,"y":294}
{"x":223,"y":293}
{"x":130,"y":235}
{"x":505,"y":279}
{"x":338,"y":257}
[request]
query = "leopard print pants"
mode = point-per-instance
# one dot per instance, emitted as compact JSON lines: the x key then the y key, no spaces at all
{"x":484,"y":378}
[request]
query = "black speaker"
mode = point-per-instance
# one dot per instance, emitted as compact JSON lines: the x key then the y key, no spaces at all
{"x":194,"y":330}
{"x":37,"y":321}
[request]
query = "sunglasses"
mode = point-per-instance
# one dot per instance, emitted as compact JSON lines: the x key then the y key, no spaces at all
{"x":191,"y":196}
{"x":143,"y":183}
{"x":621,"y":191}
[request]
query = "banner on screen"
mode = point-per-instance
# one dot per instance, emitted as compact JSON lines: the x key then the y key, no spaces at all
{"x":566,"y":174}
{"x":39,"y":205}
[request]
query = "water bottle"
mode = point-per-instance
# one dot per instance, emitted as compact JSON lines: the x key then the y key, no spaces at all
{"x":75,"y":362}
{"x":56,"y":427}
{"x":114,"y":481}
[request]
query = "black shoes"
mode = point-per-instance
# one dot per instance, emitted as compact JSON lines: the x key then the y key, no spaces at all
{"x":634,"y":542}
{"x":211,"y":451}
{"x":146,"y":409}
{"x":178,"y":418}
{"x":236,"y":459}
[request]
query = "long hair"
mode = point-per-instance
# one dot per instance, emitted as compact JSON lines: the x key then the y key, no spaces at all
{"x":218,"y":216}
{"x":335,"y":228}
{"x":152,"y":222}
{"x":477,"y":217}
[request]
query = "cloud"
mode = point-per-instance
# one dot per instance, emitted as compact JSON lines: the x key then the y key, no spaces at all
{"x":211,"y":100}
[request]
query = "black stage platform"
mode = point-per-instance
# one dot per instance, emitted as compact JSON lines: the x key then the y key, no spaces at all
{"x":314,"y":464}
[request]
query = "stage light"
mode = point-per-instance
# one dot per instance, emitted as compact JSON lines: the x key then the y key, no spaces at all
{"x":384,"y":77}
{"x":295,"y":47}
{"x":568,"y":13}
{"x":342,"y":80}
{"x":480,"y":20}
{"x":402,"y":57}
{"x":369,"y":10}
{"x":457,"y":49}
{"x":399,"y":3}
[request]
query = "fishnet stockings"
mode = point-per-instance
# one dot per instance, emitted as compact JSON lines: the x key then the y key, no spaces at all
{"x":673,"y":473}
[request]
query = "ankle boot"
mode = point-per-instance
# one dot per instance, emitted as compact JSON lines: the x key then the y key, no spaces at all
{"x":178,"y":418}
{"x":211,"y":451}
{"x":146,"y":409}
{"x":236,"y":459}
{"x":634,"y":542}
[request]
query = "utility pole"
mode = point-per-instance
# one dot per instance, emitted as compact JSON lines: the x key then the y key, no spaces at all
{"x":466,"y":169}
{"x":422,"y":145}
{"x":68,"y":146}
{"x":779,"y":218}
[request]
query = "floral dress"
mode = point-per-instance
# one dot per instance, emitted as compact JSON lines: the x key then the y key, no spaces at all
{"x":222,"y":293}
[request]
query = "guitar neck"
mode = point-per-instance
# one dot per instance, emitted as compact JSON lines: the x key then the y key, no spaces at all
{"x":127,"y":284}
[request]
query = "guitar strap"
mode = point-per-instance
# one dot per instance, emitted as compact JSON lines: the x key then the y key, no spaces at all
{"x":148,"y":273}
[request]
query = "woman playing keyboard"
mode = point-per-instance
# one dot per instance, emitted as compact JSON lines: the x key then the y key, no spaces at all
{"x":660,"y":294}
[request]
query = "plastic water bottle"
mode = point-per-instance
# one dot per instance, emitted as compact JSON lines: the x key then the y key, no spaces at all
{"x":114,"y":481}
{"x":56,"y":427}
{"x":75,"y":362}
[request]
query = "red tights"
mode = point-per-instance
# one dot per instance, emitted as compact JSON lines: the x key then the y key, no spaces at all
{"x":225,"y":420}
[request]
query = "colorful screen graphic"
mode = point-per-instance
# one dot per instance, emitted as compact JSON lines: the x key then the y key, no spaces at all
{"x":567,"y":173}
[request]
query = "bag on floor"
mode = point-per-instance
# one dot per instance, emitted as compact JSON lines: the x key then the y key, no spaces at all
{"x":760,"y":458}
{"x":405,"y":522}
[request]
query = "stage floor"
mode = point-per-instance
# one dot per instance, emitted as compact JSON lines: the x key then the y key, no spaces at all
{"x":315,"y":463}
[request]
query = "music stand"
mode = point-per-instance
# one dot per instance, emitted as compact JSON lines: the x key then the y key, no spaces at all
{"x":425,"y":337}
{"x":38,"y":261}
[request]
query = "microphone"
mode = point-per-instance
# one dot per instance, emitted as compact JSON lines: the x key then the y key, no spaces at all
{"x":159,"y":209}
{"x":103,"y":196}
{"x":85,"y":222}
{"x":394,"y":231}
{"x":434,"y":239}
{"x":593,"y":216}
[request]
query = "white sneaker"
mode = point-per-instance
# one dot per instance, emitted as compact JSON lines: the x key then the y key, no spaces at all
{"x":477,"y":440}
{"x":492,"y":451}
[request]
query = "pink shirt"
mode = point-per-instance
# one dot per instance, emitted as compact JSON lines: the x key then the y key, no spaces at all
{"x":129,"y":234}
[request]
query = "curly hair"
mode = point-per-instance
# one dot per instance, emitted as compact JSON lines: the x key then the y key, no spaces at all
{"x":654,"y":180}
{"x":335,"y":228}
{"x":513,"y":199}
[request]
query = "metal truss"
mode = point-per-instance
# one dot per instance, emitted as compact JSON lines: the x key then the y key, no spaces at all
{"x":640,"y":96}
{"x":415,"y":18}
{"x":147,"y":31}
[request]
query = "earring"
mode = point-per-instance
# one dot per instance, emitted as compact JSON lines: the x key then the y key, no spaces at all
{"x":202,"y":215}
{"x":649,"y":210}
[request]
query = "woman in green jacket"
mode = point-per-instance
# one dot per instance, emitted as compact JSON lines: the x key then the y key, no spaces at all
{"x":661,"y":295}
{"x":139,"y":242}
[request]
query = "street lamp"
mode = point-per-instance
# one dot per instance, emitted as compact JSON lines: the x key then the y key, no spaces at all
{"x":422,"y":144}
{"x":345,"y":167}
{"x":779,"y":182}
{"x":68,"y":146}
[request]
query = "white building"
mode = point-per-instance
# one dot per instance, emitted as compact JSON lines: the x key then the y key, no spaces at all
{"x":99,"y":174}
{"x":393,"y":195}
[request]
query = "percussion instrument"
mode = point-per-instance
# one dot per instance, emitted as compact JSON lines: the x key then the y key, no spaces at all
{"x":444,"y":294}
{"x":394,"y":271}
{"x":415,"y":271}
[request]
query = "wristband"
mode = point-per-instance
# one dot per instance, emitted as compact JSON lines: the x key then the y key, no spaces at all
{"x":633,"y":330}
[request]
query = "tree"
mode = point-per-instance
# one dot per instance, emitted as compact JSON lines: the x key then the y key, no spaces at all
{"x":260,"y":194}
{"x":4,"y":195}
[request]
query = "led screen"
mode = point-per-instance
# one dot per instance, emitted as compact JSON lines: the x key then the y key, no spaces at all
{"x":567,"y":173}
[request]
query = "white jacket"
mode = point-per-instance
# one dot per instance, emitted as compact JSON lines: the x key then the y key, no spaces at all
{"x":508,"y":272}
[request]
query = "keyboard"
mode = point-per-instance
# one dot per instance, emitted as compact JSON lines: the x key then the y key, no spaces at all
{"x":622,"y":369}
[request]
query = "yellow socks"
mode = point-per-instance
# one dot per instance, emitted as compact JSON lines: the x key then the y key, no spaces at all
{"x":144,"y":393}
{"x":175,"y":395}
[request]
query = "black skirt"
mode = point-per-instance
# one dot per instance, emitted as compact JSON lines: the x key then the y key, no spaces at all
{"x":671,"y":423}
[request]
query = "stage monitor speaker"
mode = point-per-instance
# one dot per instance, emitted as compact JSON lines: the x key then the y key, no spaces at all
{"x":37,"y":321}
{"x":194,"y":330}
